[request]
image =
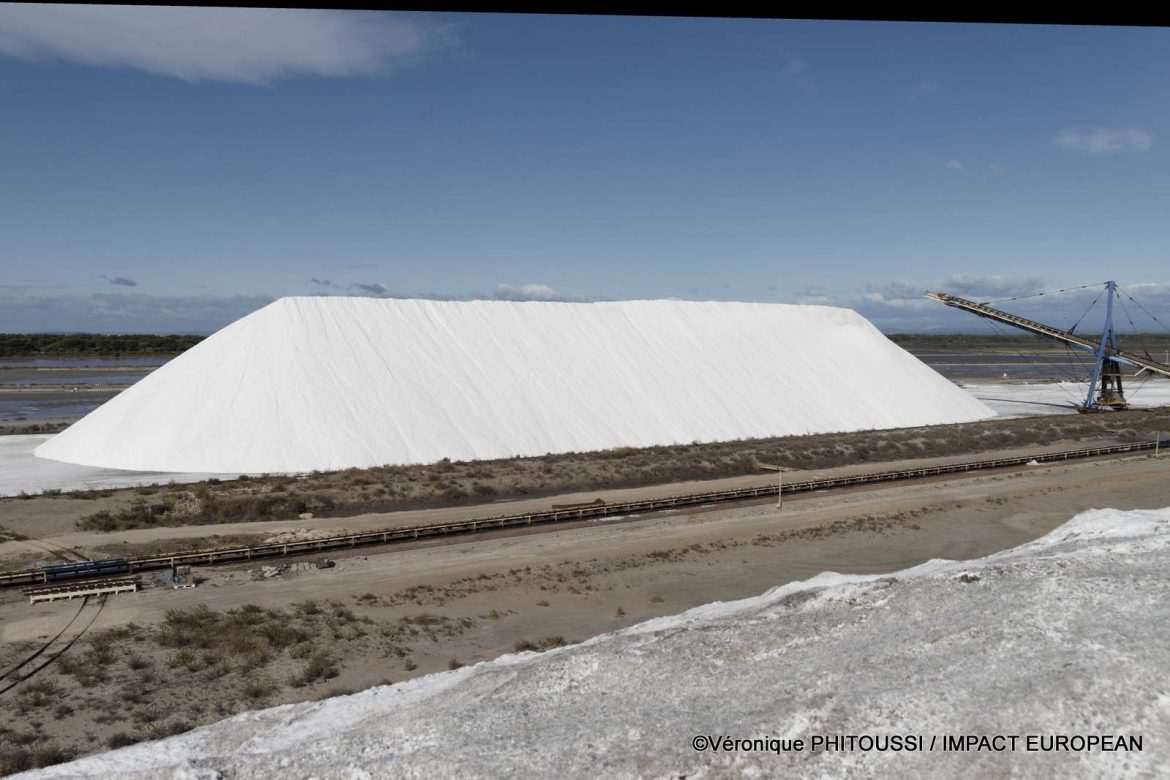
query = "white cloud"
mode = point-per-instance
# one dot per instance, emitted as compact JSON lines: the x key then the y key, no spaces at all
{"x":1102,"y":141}
{"x":531,"y":292}
{"x":954,"y":165}
{"x":249,"y":45}
{"x":813,"y":295}
{"x":899,"y":306}
{"x":997,"y":286}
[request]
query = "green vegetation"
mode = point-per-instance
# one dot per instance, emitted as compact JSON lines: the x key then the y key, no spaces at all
{"x":16,"y":427}
{"x":203,"y":507}
{"x":42,"y":344}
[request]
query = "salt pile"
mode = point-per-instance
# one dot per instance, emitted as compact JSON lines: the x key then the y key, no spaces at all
{"x":334,"y":382}
{"x":1066,"y":635}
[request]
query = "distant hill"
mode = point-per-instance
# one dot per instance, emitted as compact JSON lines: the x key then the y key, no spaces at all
{"x":1135,"y":342}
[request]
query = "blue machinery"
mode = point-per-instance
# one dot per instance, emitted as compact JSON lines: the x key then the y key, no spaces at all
{"x":1106,"y":370}
{"x":1105,"y":387}
{"x":82,"y":569}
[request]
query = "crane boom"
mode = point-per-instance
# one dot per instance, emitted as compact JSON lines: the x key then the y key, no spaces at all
{"x":1031,"y":326}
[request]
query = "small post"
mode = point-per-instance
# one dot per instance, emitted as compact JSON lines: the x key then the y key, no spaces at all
{"x":1157,"y":444}
{"x":780,"y":484}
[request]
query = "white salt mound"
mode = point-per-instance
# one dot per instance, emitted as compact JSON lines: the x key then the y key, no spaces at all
{"x":1064,"y":636}
{"x":334,"y":382}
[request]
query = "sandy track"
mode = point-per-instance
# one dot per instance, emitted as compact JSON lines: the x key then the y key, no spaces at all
{"x":16,"y":516}
{"x":906,"y":524}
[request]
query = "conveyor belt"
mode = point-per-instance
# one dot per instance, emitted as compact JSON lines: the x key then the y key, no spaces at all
{"x":1039,"y":328}
{"x":587,"y":512}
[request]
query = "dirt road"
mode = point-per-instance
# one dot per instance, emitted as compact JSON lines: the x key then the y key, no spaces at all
{"x":389,"y":615}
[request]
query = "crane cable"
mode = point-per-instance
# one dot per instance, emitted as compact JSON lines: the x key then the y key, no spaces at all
{"x":1046,"y":292}
{"x":1142,"y":383}
{"x":997,"y":327}
{"x":1147,"y":311}
{"x":1070,"y":374}
{"x":1085,"y":313}
{"x":1145,"y":380}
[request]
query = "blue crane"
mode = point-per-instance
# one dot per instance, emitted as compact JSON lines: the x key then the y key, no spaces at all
{"x":1105,"y":385}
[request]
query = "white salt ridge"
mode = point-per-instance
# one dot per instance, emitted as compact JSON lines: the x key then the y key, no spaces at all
{"x":22,"y":472}
{"x":1064,"y":635}
{"x":333,"y":382}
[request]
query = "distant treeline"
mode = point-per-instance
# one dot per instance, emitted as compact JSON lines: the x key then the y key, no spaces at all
{"x":1136,"y":342}
{"x":39,"y":344}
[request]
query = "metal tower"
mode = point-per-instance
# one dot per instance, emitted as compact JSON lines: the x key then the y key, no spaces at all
{"x":1105,"y":388}
{"x":1106,"y":370}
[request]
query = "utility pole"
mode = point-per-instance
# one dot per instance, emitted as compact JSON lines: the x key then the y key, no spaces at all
{"x":780,"y":485}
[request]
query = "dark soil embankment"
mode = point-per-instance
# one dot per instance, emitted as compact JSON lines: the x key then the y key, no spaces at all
{"x":387,"y":488}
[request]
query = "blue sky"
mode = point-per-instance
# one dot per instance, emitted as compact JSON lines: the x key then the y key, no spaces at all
{"x":172,"y":169}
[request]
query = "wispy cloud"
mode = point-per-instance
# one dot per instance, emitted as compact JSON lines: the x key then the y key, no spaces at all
{"x":923,"y":89}
{"x":894,"y":307}
{"x":502,"y":292}
{"x":795,"y":69}
{"x":793,"y":64}
{"x":121,"y":281}
{"x":27,"y":285}
{"x":372,"y":288}
{"x":1103,"y":141}
{"x":531,"y":292}
{"x":813,"y":294}
{"x":966,"y":285}
{"x":954,"y":165}
{"x":124,"y":312}
{"x":248,"y":45}
{"x":899,"y":306}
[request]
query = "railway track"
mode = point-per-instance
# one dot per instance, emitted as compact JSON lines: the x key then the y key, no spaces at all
{"x":64,"y":553}
{"x":25,"y":668}
{"x":22,"y":671}
{"x":225,"y":555}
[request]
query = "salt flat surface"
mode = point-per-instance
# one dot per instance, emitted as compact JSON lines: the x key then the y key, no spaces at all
{"x":22,"y":472}
{"x":1064,"y":635}
{"x":1028,"y":400}
{"x":337,"y":382}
